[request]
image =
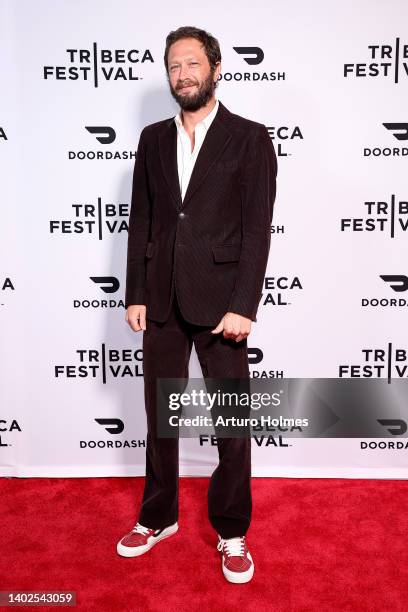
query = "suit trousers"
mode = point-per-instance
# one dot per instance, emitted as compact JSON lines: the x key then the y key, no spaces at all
{"x":166,"y":354}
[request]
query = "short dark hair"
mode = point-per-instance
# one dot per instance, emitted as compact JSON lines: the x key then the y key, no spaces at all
{"x":211,"y":44}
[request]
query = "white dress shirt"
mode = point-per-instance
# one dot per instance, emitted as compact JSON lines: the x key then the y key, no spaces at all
{"x":185,"y":157}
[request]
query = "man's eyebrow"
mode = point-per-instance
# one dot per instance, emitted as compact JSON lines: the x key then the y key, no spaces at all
{"x":187,"y":58}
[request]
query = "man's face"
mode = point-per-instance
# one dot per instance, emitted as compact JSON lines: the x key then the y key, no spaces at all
{"x":192,"y":83}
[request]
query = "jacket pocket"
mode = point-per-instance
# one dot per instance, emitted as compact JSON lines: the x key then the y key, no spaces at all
{"x":226,"y":252}
{"x":229,"y":165}
{"x":149,"y":249}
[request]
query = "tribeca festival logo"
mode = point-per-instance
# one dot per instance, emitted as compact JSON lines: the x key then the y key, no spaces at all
{"x":8,"y":427}
{"x":399,"y":131}
{"x":275,"y":439}
{"x":253,"y":56}
{"x":103,"y":363}
{"x":398,"y":283}
{"x":105,"y":135}
{"x":285,"y":135}
{"x":255,"y":357}
{"x":114,"y":427}
{"x":6,"y":285}
{"x":389,"y":217}
{"x":278,"y":290}
{"x":388,"y":362}
{"x":106,"y":284}
{"x":93,"y":219}
{"x":384,"y":61}
{"x":284,"y":138}
{"x":97,"y":65}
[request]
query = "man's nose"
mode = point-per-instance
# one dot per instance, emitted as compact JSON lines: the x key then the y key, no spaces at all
{"x":184,"y":72}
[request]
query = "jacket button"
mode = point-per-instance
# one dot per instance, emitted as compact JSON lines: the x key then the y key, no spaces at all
{"x":182,"y":215}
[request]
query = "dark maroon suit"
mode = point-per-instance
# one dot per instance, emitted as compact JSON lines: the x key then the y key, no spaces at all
{"x":190,"y":262}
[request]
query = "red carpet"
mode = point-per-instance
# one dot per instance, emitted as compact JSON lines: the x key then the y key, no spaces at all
{"x":318,"y":544}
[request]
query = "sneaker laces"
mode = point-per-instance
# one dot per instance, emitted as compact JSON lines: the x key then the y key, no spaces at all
{"x":138,"y":528}
{"x":234,"y":547}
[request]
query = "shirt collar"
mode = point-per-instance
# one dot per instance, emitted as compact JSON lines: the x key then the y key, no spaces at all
{"x":206,"y":122}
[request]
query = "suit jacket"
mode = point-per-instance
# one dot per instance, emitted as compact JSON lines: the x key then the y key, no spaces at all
{"x":211,"y":248}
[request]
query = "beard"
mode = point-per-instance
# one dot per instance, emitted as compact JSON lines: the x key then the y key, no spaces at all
{"x":198,"y":99}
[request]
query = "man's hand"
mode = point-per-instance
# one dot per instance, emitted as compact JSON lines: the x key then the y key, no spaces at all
{"x":136,"y":316}
{"x":235,"y":326}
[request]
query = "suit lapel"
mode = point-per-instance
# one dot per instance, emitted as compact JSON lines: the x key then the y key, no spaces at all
{"x":168,"y":159}
{"x":215,"y":141}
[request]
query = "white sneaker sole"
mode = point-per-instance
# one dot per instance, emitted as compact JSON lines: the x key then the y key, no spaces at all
{"x":238,"y":577}
{"x":135,"y":551}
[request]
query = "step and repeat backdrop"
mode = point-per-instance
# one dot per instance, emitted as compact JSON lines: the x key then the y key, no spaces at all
{"x":79,"y":82}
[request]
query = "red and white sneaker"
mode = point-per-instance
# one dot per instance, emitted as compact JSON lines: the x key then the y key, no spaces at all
{"x":237,"y":563}
{"x":141,"y":539}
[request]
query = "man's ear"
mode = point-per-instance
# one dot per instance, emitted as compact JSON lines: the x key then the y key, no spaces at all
{"x":217,"y":70}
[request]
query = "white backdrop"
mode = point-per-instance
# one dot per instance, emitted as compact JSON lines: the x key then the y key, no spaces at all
{"x":335,"y":74}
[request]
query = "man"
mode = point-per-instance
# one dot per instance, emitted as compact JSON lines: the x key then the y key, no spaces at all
{"x":204,"y":187}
